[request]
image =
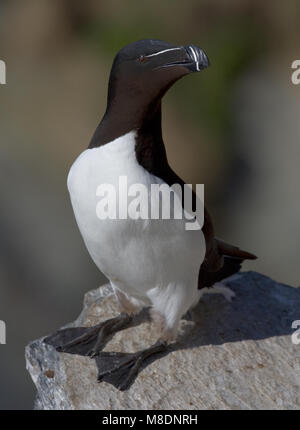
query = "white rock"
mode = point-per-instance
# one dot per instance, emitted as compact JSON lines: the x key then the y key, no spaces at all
{"x":236,"y":355}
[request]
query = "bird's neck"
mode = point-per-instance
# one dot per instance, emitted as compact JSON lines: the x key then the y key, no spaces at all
{"x":118,"y":121}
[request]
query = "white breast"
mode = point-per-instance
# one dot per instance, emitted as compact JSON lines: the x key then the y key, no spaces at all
{"x":136,"y":255}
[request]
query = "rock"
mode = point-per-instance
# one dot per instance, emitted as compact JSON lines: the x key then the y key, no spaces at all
{"x":229,"y":355}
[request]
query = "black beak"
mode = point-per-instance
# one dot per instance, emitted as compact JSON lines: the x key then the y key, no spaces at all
{"x":190,"y":57}
{"x":197,"y":57}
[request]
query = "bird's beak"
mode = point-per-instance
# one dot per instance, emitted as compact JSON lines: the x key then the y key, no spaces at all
{"x":197,"y":58}
{"x":191,"y":57}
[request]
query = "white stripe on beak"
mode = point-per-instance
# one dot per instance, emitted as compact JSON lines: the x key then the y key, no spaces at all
{"x":195,"y":58}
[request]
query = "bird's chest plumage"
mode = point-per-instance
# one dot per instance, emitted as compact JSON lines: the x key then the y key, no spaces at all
{"x":135,"y":254}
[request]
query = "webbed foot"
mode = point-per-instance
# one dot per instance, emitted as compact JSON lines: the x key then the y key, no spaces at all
{"x":121,"y":369}
{"x":88,"y":341}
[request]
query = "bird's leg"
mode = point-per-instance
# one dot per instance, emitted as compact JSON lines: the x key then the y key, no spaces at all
{"x":88,"y":340}
{"x":91,"y":340}
{"x":125,"y":305}
{"x":107,"y":329}
{"x":121,"y":369}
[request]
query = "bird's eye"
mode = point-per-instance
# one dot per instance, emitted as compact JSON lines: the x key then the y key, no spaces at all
{"x":142,"y":59}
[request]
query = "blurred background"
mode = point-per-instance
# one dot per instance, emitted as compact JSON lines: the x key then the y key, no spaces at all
{"x":235,"y":127}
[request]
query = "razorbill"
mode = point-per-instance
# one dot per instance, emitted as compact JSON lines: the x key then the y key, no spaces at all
{"x":155,"y":263}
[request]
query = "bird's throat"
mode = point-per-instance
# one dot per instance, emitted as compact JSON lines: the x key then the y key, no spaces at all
{"x":145,"y":120}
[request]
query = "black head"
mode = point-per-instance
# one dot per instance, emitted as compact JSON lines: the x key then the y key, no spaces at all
{"x":144,"y":70}
{"x":140,"y":75}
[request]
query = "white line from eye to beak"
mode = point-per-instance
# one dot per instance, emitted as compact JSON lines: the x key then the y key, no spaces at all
{"x":161,"y":52}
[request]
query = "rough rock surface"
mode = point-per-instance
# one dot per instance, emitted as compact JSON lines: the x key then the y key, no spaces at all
{"x":229,"y":355}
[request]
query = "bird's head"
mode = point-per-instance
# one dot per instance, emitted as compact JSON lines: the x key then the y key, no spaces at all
{"x":144,"y":70}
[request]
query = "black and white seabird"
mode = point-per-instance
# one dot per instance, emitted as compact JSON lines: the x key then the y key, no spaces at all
{"x":156,"y":263}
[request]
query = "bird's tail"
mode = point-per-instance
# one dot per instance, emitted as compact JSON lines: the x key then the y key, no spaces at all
{"x":232,"y":263}
{"x":233,"y":251}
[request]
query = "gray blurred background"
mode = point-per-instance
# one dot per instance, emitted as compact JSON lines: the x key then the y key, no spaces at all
{"x":234,"y":127}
